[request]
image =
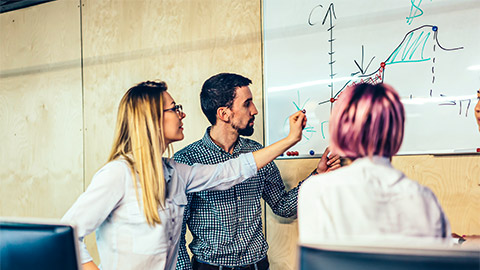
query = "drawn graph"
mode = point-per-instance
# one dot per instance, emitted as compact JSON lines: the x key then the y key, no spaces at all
{"x":410,"y":50}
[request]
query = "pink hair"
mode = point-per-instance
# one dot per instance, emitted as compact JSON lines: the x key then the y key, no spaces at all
{"x":367,"y":120}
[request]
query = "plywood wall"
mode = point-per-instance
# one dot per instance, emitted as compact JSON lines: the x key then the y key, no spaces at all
{"x":40,"y":110}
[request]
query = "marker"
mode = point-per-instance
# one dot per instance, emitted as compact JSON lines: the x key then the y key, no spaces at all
{"x":477,"y":150}
{"x":304,"y":111}
{"x":312,"y":152}
{"x":434,"y":29}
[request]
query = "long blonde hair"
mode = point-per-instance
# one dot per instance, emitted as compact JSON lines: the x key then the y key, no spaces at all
{"x":140,"y":141}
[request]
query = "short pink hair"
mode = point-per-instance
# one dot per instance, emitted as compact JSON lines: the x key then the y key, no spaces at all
{"x":367,"y":120}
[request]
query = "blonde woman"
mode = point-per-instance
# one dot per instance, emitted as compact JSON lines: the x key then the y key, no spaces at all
{"x":135,"y":202}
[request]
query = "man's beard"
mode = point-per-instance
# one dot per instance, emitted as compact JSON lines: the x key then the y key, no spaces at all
{"x":247,"y":131}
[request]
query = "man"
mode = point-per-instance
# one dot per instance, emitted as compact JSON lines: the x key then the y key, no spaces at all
{"x":227,"y":225}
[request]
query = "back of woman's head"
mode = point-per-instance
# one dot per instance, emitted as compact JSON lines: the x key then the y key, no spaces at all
{"x":139,"y":140}
{"x":367,"y":120}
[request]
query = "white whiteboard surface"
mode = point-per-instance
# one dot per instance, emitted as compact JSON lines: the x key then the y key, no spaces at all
{"x":431,"y":51}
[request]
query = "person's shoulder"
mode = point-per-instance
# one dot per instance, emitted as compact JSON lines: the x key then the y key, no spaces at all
{"x":112,"y":173}
{"x":115,"y":166}
{"x":187,"y":154}
{"x":328,"y":182}
{"x":311,"y":188}
{"x":254,"y":145}
{"x":415,"y":187}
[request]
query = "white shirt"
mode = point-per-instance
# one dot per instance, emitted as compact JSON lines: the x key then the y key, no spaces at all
{"x":369,"y":201}
{"x":124,"y":239}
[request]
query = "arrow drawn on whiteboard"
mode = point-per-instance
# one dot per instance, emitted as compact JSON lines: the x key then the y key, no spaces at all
{"x":331,"y":15}
{"x":360,"y":67}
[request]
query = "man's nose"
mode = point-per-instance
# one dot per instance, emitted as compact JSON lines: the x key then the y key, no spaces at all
{"x":255,"y":111}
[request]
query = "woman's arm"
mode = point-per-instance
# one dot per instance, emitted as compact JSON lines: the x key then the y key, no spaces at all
{"x":97,"y":202}
{"x":224,"y":175}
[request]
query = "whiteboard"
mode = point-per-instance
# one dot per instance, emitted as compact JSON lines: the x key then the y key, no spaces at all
{"x":430,"y":52}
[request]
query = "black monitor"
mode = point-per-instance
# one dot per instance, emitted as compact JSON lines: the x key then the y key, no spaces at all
{"x":320,"y":257}
{"x":37,"y":245}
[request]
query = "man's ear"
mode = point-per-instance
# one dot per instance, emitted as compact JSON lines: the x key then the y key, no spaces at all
{"x":223,"y":113}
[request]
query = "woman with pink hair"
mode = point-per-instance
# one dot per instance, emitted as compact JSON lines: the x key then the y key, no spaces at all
{"x":369,"y":200}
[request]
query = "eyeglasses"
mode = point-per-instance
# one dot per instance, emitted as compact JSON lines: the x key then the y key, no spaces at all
{"x":177,"y":108}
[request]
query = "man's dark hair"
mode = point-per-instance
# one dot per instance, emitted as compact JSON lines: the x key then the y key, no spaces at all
{"x":219,"y":91}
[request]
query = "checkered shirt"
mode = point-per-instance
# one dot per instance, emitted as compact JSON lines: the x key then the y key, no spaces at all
{"x":227,"y":225}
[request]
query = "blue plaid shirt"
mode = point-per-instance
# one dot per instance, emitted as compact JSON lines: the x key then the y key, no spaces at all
{"x":227,"y":225}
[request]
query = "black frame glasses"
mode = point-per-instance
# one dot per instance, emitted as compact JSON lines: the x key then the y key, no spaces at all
{"x":177,"y":108}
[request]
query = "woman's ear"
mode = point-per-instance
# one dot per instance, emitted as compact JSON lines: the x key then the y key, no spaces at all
{"x":223,"y":114}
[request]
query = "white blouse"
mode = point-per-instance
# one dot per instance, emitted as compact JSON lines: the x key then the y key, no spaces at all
{"x":369,"y":201}
{"x":124,"y":238}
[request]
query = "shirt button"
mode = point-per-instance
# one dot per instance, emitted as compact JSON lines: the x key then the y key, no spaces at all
{"x":173,"y":220}
{"x":170,"y":238}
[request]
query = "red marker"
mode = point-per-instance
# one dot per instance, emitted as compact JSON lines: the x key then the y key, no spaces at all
{"x":382,"y":64}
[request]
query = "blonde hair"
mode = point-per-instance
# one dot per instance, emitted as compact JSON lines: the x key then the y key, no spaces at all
{"x":140,"y":141}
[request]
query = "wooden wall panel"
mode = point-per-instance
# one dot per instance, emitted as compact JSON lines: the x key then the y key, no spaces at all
{"x":454,"y":180}
{"x":40,"y":110}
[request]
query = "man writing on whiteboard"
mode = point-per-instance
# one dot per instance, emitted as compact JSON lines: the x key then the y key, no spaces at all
{"x":227,"y":225}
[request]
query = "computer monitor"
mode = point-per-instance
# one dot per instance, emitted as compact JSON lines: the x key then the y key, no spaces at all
{"x":320,"y":257}
{"x":37,"y":245}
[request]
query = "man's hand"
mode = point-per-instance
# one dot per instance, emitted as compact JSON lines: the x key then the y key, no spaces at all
{"x":326,"y":163}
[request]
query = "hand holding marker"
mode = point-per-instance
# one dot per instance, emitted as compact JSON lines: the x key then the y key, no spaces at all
{"x":304,"y":124}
